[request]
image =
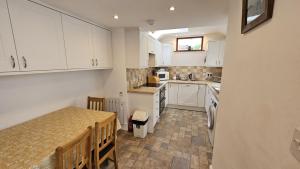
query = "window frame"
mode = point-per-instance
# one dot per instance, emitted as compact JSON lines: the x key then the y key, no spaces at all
{"x":192,"y":37}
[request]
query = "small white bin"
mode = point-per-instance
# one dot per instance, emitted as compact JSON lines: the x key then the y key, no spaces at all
{"x":140,"y":124}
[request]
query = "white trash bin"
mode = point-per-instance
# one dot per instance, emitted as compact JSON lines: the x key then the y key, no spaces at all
{"x":140,"y":124}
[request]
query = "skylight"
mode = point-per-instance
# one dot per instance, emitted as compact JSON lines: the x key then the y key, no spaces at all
{"x":158,"y":34}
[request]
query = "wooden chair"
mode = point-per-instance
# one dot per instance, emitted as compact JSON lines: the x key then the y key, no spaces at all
{"x":105,"y":143}
{"x":95,"y":103}
{"x":79,"y":147}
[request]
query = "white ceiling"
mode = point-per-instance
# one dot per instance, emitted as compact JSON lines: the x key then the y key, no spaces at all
{"x":134,"y":13}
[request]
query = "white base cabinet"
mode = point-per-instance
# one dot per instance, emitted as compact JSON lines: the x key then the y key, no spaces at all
{"x":173,"y":93}
{"x":207,"y":98}
{"x":192,"y":95}
{"x":188,"y":95}
{"x":201,"y":96}
{"x":148,"y":103}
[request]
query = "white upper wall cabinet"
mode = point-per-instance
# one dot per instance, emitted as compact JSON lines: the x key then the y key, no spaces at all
{"x":137,"y":55}
{"x":38,"y":35}
{"x":102,"y":48}
{"x":215,"y":54}
{"x":166,"y":54}
{"x":221,"y":53}
{"x":144,"y":55}
{"x":151,"y":45}
{"x":78,"y":42}
{"x":159,"y":61}
{"x":8,"y":56}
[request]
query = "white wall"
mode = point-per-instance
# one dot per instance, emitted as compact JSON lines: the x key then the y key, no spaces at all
{"x":28,"y":96}
{"x":115,"y":80}
{"x":190,"y":58}
{"x":259,"y":107}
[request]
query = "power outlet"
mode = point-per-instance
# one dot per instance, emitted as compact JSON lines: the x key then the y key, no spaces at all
{"x":295,"y":146}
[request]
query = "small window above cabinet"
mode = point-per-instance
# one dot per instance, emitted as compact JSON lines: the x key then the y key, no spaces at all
{"x":189,"y":44}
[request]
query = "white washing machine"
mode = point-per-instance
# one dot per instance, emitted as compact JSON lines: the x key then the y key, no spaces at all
{"x":211,"y":118}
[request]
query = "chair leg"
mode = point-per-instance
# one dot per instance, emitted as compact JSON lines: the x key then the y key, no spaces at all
{"x":115,"y":159}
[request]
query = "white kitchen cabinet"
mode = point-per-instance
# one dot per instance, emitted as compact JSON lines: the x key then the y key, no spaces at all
{"x":148,"y":103}
{"x":101,"y":41}
{"x":151,"y":45}
{"x":221,"y":53}
{"x":38,"y":36}
{"x":215,"y":54}
{"x":137,"y":55}
{"x":207,"y":98}
{"x":173,"y":93}
{"x":78,"y":42}
{"x":201,"y":96}
{"x":158,"y":54}
{"x":166,"y":54}
{"x":167,"y":95}
{"x":8,"y":55}
{"x":144,"y":55}
{"x":188,"y":95}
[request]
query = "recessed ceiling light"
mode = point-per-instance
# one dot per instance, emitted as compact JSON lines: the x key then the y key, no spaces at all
{"x":172,"y":8}
{"x":116,"y":17}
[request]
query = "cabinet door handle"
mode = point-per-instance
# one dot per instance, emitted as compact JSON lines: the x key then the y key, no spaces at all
{"x":13,"y":63}
{"x":93,"y":62}
{"x":96,"y":62}
{"x":24,"y":62}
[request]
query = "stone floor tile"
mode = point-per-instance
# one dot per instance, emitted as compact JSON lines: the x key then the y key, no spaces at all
{"x":180,"y":141}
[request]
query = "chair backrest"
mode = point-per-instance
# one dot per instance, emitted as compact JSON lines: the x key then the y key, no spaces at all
{"x":105,"y":133}
{"x":95,"y":103}
{"x":77,"y":153}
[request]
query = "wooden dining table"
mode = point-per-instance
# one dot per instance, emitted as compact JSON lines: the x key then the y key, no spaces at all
{"x":32,"y":144}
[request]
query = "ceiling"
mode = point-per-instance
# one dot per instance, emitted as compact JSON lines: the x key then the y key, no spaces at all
{"x":134,"y":13}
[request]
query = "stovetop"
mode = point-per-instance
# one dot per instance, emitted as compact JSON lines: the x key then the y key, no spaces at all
{"x":152,"y":85}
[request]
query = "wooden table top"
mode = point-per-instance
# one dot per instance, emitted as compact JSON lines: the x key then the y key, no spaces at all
{"x":32,"y":144}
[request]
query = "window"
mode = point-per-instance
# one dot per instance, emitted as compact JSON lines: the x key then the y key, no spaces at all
{"x":189,"y":44}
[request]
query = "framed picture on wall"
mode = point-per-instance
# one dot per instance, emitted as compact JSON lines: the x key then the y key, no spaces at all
{"x":256,"y":12}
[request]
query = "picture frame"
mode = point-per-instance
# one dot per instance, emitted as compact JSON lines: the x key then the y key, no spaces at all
{"x":255,"y":12}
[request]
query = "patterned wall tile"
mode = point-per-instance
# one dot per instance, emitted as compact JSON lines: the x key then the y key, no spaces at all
{"x":137,"y":77}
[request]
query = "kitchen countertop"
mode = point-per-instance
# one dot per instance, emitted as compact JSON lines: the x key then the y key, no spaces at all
{"x":147,"y":90}
{"x":153,"y":90}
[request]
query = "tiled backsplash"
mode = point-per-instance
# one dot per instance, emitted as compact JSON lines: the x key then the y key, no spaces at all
{"x":137,"y":77}
{"x":198,"y":71}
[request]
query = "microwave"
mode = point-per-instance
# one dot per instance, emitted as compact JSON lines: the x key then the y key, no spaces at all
{"x":163,"y":75}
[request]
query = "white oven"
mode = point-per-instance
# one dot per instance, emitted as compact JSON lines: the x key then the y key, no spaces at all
{"x":163,"y":75}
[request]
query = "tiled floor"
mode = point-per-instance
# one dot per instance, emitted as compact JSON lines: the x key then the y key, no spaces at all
{"x":180,"y":141}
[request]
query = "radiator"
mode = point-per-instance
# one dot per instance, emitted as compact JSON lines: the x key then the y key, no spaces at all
{"x":116,"y":105}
